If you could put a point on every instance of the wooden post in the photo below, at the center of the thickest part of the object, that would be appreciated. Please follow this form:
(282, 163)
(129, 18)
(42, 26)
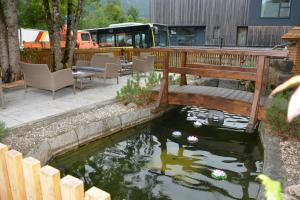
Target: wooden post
(96, 194)
(183, 59)
(5, 190)
(15, 174)
(265, 76)
(50, 182)
(31, 169)
(164, 86)
(256, 97)
(72, 188)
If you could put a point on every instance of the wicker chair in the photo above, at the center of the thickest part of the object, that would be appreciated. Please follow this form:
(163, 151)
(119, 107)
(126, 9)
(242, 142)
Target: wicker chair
(104, 66)
(143, 64)
(39, 76)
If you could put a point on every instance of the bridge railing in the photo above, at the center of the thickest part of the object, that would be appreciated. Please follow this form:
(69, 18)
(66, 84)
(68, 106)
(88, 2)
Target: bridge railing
(257, 73)
(25, 179)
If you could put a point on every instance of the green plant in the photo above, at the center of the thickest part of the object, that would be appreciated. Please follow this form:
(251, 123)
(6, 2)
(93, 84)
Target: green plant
(3, 130)
(138, 92)
(276, 116)
(272, 188)
(173, 79)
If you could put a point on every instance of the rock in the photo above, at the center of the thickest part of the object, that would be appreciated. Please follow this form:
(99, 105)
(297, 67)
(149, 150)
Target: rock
(132, 105)
(64, 141)
(204, 81)
(293, 191)
(89, 131)
(229, 83)
(282, 77)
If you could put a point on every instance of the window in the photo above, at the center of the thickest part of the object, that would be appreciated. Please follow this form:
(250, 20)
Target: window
(85, 37)
(216, 32)
(276, 8)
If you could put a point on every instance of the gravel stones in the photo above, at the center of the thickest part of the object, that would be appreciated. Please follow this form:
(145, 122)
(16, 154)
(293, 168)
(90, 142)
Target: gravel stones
(23, 139)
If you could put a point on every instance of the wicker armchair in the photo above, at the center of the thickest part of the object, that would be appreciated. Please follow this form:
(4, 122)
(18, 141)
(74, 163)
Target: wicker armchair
(104, 66)
(143, 64)
(39, 76)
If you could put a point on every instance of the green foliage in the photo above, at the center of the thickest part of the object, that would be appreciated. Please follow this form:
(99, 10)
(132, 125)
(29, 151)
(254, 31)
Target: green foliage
(133, 14)
(272, 188)
(3, 130)
(174, 80)
(276, 116)
(137, 91)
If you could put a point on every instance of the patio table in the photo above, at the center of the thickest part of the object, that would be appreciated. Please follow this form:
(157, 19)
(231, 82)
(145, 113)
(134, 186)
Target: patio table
(80, 76)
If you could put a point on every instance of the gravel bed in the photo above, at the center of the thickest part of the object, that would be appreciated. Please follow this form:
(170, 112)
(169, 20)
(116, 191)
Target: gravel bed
(23, 139)
(290, 155)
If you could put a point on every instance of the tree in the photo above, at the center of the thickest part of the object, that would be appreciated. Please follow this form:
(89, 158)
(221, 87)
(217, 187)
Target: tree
(9, 40)
(133, 13)
(71, 40)
(53, 20)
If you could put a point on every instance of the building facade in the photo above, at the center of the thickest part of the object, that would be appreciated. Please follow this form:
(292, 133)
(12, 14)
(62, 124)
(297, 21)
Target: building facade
(252, 23)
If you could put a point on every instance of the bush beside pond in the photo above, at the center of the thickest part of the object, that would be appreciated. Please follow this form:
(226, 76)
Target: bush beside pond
(3, 130)
(277, 116)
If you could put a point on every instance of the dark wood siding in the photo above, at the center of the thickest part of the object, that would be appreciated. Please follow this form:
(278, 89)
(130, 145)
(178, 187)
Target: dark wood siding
(227, 14)
(266, 36)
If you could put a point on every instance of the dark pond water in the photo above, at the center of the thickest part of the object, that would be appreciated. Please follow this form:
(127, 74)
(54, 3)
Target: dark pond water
(148, 163)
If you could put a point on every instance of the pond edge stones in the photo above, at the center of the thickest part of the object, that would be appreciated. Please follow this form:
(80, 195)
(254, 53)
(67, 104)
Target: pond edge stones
(84, 133)
(273, 166)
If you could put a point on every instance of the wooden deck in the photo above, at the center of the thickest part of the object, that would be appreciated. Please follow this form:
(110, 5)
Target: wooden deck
(233, 101)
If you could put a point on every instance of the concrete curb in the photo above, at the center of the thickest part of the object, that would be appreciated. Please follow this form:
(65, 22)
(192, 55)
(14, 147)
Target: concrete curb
(273, 166)
(88, 132)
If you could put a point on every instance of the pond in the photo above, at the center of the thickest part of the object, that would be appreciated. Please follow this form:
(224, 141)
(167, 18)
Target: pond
(148, 163)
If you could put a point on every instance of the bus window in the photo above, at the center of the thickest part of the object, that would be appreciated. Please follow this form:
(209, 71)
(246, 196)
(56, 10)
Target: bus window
(107, 40)
(161, 37)
(123, 40)
(141, 40)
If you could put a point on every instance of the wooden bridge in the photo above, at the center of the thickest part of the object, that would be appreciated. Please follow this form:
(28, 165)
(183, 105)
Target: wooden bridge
(235, 101)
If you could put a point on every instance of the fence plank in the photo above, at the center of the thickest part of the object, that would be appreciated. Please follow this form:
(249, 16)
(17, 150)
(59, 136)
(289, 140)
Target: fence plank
(50, 182)
(96, 194)
(72, 188)
(15, 174)
(5, 190)
(31, 169)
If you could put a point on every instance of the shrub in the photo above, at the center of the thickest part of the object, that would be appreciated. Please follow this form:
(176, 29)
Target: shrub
(276, 116)
(3, 130)
(137, 92)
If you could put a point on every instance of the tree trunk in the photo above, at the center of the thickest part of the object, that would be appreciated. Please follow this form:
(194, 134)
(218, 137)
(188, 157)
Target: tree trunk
(66, 55)
(49, 23)
(56, 35)
(75, 30)
(3, 45)
(13, 38)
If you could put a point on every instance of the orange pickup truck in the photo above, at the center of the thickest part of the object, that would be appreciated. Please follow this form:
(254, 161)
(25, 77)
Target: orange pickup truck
(83, 41)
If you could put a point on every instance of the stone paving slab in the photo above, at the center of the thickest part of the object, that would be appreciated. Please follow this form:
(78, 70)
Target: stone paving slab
(24, 108)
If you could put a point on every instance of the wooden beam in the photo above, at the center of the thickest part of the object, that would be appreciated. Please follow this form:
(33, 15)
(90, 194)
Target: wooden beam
(228, 51)
(163, 94)
(50, 182)
(183, 58)
(31, 169)
(214, 73)
(258, 90)
(5, 189)
(72, 188)
(96, 194)
(221, 67)
(15, 174)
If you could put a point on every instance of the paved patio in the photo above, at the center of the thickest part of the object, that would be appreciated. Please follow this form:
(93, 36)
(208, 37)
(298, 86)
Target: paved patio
(22, 108)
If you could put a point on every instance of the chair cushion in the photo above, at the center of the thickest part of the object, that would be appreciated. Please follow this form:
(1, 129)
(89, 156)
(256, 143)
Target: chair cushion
(90, 68)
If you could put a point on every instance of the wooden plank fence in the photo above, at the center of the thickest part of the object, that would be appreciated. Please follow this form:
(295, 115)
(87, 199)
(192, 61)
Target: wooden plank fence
(25, 179)
(236, 57)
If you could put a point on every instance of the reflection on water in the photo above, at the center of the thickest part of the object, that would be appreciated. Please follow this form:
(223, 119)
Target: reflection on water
(148, 163)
